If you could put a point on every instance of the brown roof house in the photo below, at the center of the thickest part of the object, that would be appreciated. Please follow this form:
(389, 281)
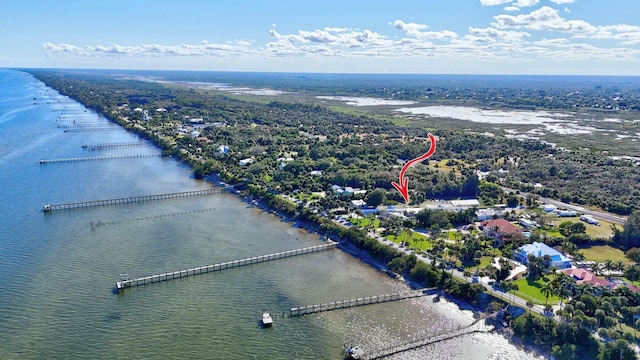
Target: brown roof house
(585, 276)
(500, 230)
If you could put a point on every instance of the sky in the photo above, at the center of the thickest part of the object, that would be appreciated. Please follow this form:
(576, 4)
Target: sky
(565, 37)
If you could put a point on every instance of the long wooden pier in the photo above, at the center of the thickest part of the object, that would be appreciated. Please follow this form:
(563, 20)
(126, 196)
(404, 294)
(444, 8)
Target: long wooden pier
(127, 282)
(133, 199)
(367, 300)
(92, 158)
(119, 145)
(475, 327)
(93, 128)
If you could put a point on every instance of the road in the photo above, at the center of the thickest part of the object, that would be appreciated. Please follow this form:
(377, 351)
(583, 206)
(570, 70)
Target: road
(561, 205)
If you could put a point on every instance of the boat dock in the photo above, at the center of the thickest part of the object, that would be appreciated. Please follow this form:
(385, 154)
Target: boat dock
(133, 199)
(367, 300)
(474, 327)
(93, 128)
(114, 157)
(126, 281)
(119, 145)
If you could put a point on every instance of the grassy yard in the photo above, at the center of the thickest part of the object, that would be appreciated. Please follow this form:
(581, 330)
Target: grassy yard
(595, 231)
(365, 221)
(414, 239)
(601, 231)
(602, 253)
(531, 289)
(442, 166)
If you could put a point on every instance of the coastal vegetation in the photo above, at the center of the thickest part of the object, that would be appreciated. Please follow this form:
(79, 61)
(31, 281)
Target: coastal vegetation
(311, 161)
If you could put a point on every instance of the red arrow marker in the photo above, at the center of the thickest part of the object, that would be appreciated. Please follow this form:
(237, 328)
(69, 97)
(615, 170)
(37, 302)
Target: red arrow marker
(404, 188)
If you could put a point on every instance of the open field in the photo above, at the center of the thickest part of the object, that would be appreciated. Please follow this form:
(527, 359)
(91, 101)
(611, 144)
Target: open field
(604, 252)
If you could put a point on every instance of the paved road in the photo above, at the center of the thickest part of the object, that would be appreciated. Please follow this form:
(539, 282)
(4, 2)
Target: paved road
(596, 214)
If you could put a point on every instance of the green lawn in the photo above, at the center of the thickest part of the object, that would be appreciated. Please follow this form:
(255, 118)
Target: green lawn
(602, 253)
(531, 289)
(365, 221)
(602, 231)
(414, 239)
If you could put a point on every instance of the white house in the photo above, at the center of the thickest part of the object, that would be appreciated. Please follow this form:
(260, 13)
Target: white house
(539, 249)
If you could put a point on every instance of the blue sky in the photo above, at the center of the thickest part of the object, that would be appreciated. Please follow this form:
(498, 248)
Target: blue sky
(597, 37)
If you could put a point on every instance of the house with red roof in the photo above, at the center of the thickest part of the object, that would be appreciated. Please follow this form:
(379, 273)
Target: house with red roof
(582, 276)
(500, 230)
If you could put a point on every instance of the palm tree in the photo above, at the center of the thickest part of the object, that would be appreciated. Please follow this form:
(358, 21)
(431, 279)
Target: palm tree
(547, 290)
(619, 266)
(608, 266)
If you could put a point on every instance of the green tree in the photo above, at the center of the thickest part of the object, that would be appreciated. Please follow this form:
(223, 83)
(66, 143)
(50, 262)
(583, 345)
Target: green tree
(633, 254)
(376, 197)
(547, 290)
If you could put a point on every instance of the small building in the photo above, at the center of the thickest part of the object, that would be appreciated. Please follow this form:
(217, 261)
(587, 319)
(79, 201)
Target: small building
(539, 250)
(465, 204)
(549, 208)
(358, 203)
(485, 214)
(223, 149)
(245, 162)
(566, 213)
(527, 223)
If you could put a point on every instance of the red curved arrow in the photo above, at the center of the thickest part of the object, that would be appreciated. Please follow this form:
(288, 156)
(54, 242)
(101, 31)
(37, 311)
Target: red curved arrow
(404, 188)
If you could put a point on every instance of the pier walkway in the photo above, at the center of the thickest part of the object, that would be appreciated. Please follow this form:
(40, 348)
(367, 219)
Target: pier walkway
(133, 199)
(367, 300)
(127, 282)
(119, 145)
(93, 128)
(92, 158)
(474, 327)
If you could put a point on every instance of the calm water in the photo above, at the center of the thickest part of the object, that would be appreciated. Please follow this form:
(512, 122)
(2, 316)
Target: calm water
(57, 273)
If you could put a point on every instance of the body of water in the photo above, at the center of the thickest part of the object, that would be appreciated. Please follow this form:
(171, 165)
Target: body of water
(58, 272)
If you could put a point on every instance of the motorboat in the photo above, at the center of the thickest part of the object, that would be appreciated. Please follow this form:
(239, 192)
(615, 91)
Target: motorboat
(266, 319)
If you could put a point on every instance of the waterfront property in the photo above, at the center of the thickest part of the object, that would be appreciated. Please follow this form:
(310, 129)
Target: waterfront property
(539, 249)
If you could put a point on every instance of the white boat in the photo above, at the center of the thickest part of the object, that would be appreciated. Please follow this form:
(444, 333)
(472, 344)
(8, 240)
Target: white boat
(266, 319)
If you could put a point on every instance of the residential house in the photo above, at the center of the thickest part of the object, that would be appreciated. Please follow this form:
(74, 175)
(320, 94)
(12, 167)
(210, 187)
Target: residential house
(582, 276)
(539, 249)
(500, 229)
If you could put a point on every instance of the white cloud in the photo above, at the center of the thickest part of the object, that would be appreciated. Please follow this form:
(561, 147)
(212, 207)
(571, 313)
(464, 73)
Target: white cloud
(511, 8)
(410, 28)
(494, 2)
(562, 1)
(413, 29)
(545, 18)
(204, 48)
(525, 3)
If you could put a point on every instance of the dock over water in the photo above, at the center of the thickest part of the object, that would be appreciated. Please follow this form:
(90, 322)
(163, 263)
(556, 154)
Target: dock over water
(367, 300)
(474, 327)
(118, 145)
(133, 199)
(92, 158)
(126, 281)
